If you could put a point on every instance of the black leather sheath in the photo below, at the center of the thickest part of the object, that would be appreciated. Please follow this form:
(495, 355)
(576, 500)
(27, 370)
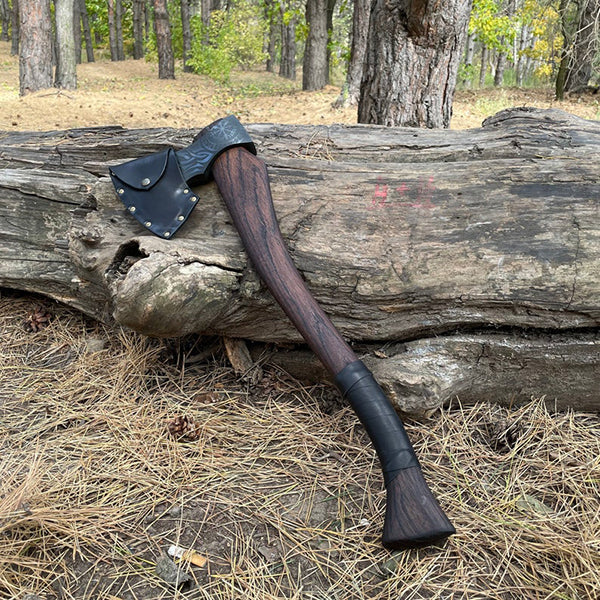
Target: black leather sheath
(156, 189)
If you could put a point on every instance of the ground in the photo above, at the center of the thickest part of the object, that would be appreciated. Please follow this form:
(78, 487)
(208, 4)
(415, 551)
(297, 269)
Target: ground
(129, 94)
(274, 482)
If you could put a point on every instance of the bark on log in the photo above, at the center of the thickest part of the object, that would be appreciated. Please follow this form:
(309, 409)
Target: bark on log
(470, 259)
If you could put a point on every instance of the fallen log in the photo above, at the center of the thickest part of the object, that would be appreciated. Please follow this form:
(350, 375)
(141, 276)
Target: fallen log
(463, 262)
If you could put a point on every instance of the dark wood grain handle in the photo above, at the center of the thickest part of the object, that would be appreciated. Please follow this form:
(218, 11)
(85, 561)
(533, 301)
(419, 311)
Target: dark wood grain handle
(243, 181)
(413, 516)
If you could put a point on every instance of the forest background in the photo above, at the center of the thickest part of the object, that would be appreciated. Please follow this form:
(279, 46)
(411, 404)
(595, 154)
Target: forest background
(250, 57)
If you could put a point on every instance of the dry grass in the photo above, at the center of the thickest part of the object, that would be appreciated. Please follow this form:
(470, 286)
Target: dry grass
(128, 93)
(280, 491)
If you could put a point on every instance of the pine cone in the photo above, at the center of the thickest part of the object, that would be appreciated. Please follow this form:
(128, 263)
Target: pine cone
(184, 428)
(38, 319)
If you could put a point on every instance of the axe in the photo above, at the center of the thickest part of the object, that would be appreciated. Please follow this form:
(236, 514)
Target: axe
(157, 191)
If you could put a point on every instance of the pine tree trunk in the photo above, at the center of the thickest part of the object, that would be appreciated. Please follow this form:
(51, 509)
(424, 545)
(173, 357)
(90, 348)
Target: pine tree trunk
(87, 33)
(35, 48)
(15, 22)
(77, 37)
(166, 60)
(66, 63)
(330, 12)
(206, 7)
(360, 31)
(561, 74)
(287, 66)
(112, 30)
(584, 47)
(186, 34)
(271, 16)
(413, 54)
(147, 22)
(119, 29)
(4, 20)
(315, 68)
(138, 29)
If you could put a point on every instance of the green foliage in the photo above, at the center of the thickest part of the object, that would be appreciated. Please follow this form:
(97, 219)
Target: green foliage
(234, 38)
(492, 28)
(466, 72)
(339, 42)
(533, 36)
(98, 16)
(174, 9)
(544, 22)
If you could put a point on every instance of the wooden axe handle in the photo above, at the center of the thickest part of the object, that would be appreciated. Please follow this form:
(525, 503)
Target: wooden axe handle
(413, 517)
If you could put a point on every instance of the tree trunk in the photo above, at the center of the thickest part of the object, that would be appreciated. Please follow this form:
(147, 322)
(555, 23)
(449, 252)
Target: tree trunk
(112, 30)
(148, 25)
(567, 35)
(187, 34)
(15, 22)
(138, 28)
(500, 68)
(483, 66)
(96, 28)
(287, 66)
(66, 63)
(585, 47)
(458, 262)
(206, 8)
(330, 12)
(162, 28)
(77, 37)
(119, 29)
(469, 55)
(4, 20)
(87, 32)
(35, 48)
(272, 18)
(360, 30)
(413, 53)
(508, 9)
(524, 43)
(315, 68)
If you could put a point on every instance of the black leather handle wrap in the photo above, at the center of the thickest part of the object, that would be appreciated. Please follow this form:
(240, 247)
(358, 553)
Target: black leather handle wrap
(378, 417)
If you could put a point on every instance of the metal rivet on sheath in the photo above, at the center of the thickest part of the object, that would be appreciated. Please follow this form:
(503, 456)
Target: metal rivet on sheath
(148, 223)
(167, 234)
(186, 191)
(180, 218)
(120, 191)
(132, 209)
(145, 181)
(193, 199)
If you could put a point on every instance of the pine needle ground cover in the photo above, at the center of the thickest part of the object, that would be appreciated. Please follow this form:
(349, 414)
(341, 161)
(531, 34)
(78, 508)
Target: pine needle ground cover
(115, 447)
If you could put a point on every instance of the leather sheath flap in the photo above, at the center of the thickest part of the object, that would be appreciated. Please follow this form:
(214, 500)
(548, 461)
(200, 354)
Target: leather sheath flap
(142, 173)
(154, 191)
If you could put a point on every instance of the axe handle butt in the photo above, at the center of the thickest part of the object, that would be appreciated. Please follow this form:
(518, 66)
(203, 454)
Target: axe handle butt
(413, 516)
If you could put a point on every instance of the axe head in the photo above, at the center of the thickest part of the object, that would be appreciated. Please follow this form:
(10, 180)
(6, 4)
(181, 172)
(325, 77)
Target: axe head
(156, 189)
